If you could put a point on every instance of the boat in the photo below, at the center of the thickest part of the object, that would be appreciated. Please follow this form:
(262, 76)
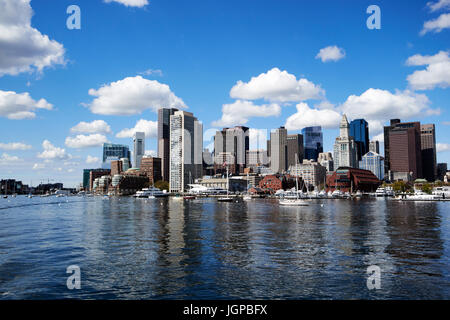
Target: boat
(150, 192)
(227, 198)
(442, 192)
(189, 197)
(294, 201)
(247, 197)
(336, 194)
(418, 195)
(358, 194)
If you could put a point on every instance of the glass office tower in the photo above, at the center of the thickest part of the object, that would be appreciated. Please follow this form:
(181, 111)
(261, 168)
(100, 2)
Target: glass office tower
(359, 130)
(312, 142)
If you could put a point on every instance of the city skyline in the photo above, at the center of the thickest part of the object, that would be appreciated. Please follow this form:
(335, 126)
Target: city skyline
(56, 118)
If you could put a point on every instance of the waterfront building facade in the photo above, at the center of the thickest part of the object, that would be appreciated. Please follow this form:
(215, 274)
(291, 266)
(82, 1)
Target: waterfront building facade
(151, 167)
(312, 173)
(402, 150)
(441, 171)
(164, 140)
(186, 146)
(348, 179)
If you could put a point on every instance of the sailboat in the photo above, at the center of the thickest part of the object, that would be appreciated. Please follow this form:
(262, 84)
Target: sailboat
(296, 201)
(247, 196)
(227, 198)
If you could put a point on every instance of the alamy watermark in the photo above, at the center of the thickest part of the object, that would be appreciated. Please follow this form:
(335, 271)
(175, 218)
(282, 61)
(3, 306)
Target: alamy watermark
(74, 280)
(374, 20)
(74, 20)
(374, 279)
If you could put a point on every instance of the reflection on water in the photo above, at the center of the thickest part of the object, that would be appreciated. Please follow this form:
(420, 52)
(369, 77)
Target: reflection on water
(202, 249)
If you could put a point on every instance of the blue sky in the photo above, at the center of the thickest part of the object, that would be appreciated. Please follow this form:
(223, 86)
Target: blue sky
(200, 50)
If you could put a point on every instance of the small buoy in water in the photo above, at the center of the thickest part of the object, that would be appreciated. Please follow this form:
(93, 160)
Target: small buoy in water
(321, 205)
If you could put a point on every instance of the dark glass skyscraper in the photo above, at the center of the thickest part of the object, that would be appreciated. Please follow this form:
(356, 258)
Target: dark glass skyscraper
(312, 142)
(359, 130)
(113, 151)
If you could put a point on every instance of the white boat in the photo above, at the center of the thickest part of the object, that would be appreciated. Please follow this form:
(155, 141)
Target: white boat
(227, 198)
(151, 192)
(336, 194)
(418, 195)
(442, 192)
(358, 194)
(247, 197)
(296, 201)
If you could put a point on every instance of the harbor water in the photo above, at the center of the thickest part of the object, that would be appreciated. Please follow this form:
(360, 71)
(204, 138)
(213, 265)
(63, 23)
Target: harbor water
(167, 248)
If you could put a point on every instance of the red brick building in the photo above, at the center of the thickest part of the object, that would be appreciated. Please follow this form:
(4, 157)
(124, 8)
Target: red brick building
(350, 179)
(271, 183)
(151, 167)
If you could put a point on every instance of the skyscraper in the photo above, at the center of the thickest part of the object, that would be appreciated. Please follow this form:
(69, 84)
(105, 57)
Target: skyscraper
(428, 145)
(164, 140)
(186, 147)
(402, 149)
(345, 147)
(359, 130)
(374, 146)
(114, 152)
(312, 142)
(294, 147)
(234, 142)
(138, 148)
(278, 150)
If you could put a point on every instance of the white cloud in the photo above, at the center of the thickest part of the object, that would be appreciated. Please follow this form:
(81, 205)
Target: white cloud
(239, 112)
(86, 141)
(149, 72)
(150, 128)
(277, 86)
(437, 73)
(130, 3)
(22, 47)
(331, 53)
(91, 159)
(442, 147)
(38, 166)
(133, 95)
(306, 117)
(96, 126)
(14, 146)
(440, 4)
(378, 106)
(6, 159)
(51, 152)
(379, 138)
(436, 25)
(18, 106)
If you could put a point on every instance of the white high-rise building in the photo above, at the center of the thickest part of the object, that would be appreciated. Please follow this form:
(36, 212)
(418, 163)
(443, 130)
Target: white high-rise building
(138, 148)
(186, 150)
(345, 147)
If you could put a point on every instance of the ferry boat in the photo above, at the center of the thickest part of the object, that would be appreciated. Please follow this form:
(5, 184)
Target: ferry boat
(418, 195)
(442, 192)
(151, 193)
